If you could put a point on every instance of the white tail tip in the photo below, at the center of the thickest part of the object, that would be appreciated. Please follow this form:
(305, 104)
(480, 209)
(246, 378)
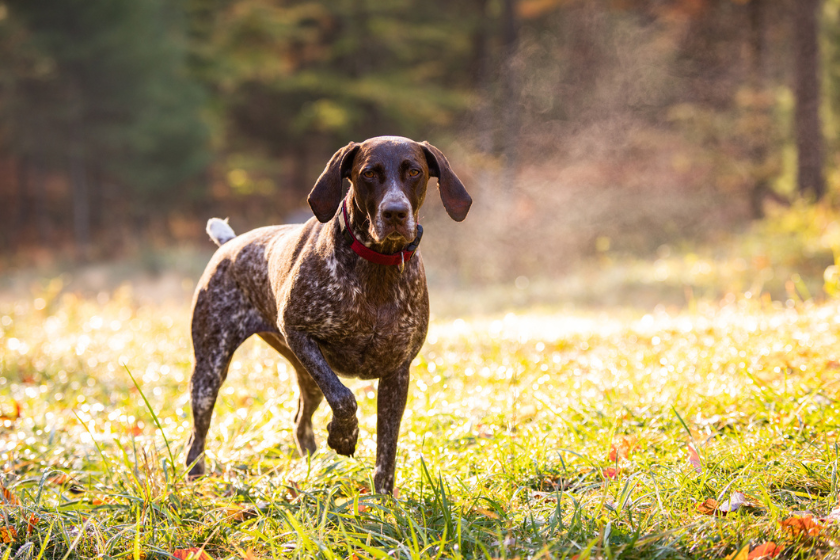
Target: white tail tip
(219, 231)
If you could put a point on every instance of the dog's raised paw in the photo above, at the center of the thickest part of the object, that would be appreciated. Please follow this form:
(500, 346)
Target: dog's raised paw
(343, 436)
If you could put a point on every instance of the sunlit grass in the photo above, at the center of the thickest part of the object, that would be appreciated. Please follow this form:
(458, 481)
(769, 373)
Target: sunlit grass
(504, 448)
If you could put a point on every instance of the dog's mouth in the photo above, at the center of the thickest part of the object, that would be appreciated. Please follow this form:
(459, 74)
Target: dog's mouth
(395, 235)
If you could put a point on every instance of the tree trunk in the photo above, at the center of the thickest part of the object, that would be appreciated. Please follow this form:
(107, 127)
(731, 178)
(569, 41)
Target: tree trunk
(510, 93)
(809, 140)
(42, 218)
(22, 209)
(483, 80)
(759, 117)
(302, 181)
(81, 205)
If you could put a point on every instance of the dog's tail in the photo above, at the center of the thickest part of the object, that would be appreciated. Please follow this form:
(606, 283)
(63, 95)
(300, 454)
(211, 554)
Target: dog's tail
(219, 231)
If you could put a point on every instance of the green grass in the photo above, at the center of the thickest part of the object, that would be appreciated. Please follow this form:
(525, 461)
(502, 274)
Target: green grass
(503, 448)
(505, 445)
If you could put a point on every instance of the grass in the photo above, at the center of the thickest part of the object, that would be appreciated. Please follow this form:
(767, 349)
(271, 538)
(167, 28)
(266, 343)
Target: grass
(504, 449)
(540, 434)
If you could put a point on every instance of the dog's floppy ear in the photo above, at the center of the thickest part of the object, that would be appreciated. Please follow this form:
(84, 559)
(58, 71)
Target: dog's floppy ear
(455, 198)
(326, 194)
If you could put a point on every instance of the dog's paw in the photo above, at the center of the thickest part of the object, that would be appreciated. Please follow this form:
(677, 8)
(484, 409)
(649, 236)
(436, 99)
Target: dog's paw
(343, 435)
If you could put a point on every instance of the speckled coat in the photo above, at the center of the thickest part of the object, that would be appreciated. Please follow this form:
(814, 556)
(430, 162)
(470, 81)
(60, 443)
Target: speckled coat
(323, 307)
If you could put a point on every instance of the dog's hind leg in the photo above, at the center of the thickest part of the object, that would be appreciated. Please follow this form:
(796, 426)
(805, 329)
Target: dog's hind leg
(308, 401)
(222, 321)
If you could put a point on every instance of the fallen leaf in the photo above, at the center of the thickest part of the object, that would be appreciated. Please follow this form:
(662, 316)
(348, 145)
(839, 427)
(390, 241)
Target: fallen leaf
(763, 551)
(234, 513)
(30, 525)
(15, 414)
(611, 472)
(134, 430)
(694, 459)
(9, 496)
(485, 512)
(294, 489)
(191, 554)
(60, 478)
(484, 431)
(621, 447)
(8, 534)
(742, 554)
(63, 479)
(396, 491)
(736, 501)
(708, 507)
(799, 526)
(249, 555)
(101, 501)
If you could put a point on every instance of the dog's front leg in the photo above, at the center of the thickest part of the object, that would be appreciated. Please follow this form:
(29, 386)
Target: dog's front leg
(344, 427)
(390, 405)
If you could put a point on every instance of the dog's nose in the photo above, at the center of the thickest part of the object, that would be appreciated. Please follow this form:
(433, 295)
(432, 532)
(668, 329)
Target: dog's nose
(395, 213)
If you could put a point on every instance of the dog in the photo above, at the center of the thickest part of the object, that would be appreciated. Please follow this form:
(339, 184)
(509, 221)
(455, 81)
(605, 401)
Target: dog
(343, 294)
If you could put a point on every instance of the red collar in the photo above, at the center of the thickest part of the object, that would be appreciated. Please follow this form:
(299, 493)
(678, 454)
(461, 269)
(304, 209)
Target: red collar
(396, 259)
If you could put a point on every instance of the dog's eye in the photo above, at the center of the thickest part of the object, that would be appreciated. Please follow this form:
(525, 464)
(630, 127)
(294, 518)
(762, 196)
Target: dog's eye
(369, 174)
(414, 173)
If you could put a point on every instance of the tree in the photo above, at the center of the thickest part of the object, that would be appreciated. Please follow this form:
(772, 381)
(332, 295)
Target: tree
(298, 78)
(809, 140)
(107, 96)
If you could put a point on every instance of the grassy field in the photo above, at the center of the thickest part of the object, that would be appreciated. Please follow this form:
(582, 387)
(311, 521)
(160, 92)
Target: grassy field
(532, 435)
(702, 423)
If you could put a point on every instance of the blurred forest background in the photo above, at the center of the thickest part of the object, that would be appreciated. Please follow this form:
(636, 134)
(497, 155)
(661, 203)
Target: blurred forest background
(580, 128)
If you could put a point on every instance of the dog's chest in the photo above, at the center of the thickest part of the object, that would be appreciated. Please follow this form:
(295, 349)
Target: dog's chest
(363, 331)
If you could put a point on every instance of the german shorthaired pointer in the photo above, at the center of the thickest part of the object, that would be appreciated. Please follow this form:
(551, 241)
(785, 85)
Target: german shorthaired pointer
(341, 295)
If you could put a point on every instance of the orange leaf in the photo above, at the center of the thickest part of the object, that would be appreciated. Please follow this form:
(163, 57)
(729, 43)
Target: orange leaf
(763, 551)
(134, 430)
(30, 525)
(739, 554)
(101, 501)
(191, 554)
(485, 512)
(801, 526)
(8, 534)
(694, 459)
(15, 415)
(709, 507)
(9, 497)
(611, 472)
(249, 555)
(61, 478)
(621, 447)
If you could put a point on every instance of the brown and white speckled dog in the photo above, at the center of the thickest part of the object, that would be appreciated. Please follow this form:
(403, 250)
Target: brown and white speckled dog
(317, 297)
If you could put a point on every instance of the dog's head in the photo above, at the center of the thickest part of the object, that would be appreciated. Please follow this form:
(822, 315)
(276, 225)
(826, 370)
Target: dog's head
(388, 176)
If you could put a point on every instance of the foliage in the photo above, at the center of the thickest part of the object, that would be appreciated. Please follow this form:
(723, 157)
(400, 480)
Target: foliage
(104, 81)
